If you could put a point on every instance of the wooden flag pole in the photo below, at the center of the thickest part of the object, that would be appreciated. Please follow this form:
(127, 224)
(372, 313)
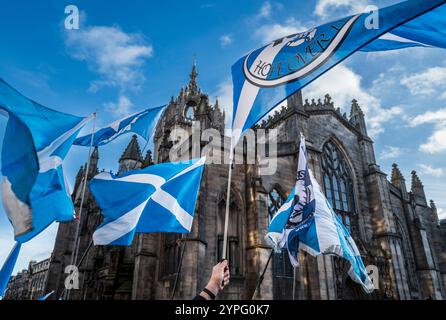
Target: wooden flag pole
(75, 252)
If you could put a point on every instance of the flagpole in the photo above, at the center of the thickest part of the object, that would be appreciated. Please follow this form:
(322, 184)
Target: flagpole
(183, 249)
(294, 283)
(228, 195)
(262, 275)
(75, 252)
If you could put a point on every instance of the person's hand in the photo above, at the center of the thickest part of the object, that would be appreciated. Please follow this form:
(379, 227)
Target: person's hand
(219, 278)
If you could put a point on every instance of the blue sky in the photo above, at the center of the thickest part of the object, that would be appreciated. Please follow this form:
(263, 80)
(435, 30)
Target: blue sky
(127, 56)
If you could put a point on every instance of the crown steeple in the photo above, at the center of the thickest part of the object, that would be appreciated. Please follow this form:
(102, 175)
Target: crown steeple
(193, 87)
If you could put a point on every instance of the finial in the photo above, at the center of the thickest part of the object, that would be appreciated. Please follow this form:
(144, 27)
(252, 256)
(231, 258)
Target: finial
(416, 182)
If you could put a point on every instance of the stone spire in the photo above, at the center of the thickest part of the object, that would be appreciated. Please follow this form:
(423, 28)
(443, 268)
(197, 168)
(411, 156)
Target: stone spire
(148, 161)
(94, 159)
(357, 117)
(416, 182)
(432, 205)
(193, 87)
(132, 152)
(417, 189)
(131, 159)
(397, 176)
(398, 180)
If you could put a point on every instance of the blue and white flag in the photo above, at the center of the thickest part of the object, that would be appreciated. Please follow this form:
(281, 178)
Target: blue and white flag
(142, 123)
(268, 75)
(49, 294)
(8, 267)
(36, 141)
(306, 221)
(159, 198)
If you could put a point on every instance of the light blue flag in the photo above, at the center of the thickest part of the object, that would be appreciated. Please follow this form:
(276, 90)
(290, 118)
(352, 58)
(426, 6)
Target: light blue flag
(142, 123)
(306, 221)
(266, 76)
(8, 267)
(159, 198)
(49, 294)
(36, 141)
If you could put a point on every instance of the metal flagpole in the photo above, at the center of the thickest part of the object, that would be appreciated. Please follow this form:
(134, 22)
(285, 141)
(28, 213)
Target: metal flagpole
(228, 195)
(75, 252)
(294, 283)
(179, 266)
(260, 280)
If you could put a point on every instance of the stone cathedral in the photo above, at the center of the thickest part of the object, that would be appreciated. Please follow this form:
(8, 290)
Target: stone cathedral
(396, 229)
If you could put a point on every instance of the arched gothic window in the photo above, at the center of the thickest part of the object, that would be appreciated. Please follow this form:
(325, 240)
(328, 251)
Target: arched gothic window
(234, 248)
(275, 201)
(282, 268)
(338, 182)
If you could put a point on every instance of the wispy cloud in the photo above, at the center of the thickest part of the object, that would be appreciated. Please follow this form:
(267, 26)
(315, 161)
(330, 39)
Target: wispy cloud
(441, 213)
(343, 92)
(390, 152)
(430, 82)
(429, 170)
(225, 40)
(116, 56)
(326, 8)
(265, 10)
(272, 31)
(436, 143)
(121, 107)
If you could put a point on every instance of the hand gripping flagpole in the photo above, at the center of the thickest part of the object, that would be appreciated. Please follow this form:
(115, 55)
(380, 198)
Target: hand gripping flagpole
(75, 252)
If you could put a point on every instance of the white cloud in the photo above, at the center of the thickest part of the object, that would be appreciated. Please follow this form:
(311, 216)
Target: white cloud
(224, 95)
(438, 116)
(325, 8)
(273, 31)
(117, 57)
(436, 143)
(429, 170)
(121, 107)
(225, 40)
(429, 82)
(441, 213)
(390, 152)
(344, 85)
(265, 10)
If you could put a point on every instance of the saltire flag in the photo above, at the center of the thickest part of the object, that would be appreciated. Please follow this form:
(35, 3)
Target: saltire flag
(49, 294)
(36, 141)
(159, 198)
(8, 267)
(266, 76)
(306, 221)
(142, 123)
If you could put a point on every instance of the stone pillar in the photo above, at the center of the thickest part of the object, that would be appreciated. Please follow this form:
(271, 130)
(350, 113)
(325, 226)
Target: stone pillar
(145, 266)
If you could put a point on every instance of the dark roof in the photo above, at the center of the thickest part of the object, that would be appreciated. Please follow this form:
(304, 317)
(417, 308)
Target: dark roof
(132, 152)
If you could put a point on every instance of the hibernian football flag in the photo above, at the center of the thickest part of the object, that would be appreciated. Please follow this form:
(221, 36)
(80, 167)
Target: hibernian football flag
(34, 191)
(268, 75)
(159, 198)
(306, 221)
(142, 123)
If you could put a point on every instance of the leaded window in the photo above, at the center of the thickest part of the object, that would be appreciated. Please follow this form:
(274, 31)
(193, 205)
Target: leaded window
(338, 183)
(281, 264)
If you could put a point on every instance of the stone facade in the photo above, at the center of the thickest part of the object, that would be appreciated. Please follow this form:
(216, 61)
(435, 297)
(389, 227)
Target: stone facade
(29, 284)
(395, 229)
